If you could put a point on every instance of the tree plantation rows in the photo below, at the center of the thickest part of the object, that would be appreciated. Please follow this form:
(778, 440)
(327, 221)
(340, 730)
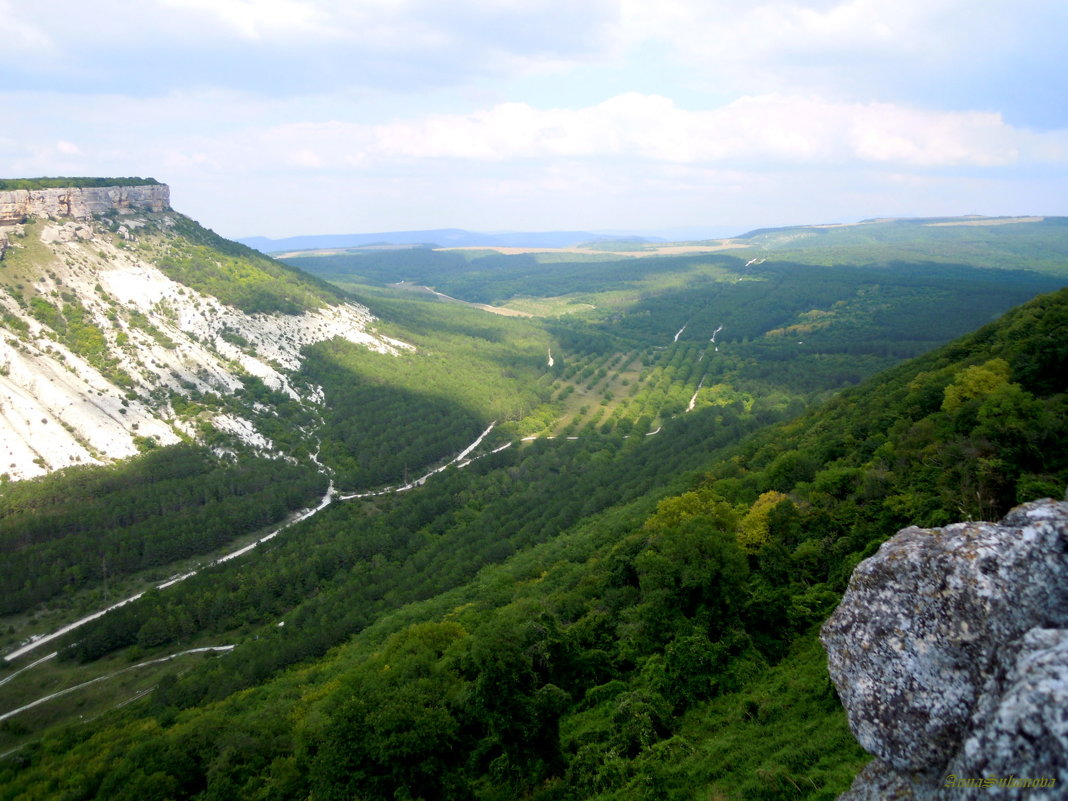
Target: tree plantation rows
(645, 300)
(408, 547)
(645, 620)
(615, 598)
(787, 336)
(82, 526)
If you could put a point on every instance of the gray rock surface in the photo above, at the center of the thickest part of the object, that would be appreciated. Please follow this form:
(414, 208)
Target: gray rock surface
(877, 781)
(948, 656)
(1020, 723)
(17, 204)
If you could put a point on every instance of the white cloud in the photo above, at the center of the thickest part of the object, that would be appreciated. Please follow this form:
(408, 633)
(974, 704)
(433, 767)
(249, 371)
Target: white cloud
(22, 37)
(752, 130)
(479, 106)
(294, 46)
(929, 53)
(913, 51)
(252, 19)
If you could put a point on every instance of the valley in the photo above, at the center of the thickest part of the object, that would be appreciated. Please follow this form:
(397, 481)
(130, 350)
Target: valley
(428, 550)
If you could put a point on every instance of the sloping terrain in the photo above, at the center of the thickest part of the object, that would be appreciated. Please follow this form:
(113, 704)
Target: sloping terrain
(545, 557)
(653, 637)
(1034, 243)
(115, 338)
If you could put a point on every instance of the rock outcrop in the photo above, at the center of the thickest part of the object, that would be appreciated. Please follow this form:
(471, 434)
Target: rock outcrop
(950, 653)
(81, 202)
(148, 350)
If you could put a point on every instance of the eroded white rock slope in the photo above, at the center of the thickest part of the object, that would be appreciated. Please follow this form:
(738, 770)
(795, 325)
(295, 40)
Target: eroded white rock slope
(58, 410)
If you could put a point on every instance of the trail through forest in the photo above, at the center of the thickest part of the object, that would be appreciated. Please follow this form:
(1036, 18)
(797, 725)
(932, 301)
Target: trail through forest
(460, 460)
(39, 640)
(327, 499)
(39, 701)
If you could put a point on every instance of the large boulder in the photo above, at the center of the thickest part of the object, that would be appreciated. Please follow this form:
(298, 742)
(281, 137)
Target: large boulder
(950, 653)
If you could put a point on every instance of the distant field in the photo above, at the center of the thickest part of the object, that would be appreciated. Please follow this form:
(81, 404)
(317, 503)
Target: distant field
(650, 249)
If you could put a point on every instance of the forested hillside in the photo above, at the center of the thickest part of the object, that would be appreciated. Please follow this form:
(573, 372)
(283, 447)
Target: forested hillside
(622, 607)
(78, 527)
(633, 342)
(1034, 243)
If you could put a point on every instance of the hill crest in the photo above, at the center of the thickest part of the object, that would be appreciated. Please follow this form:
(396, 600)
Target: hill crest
(122, 333)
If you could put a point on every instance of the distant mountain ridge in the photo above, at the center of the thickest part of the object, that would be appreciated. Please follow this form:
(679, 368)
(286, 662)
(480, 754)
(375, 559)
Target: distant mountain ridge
(976, 220)
(440, 237)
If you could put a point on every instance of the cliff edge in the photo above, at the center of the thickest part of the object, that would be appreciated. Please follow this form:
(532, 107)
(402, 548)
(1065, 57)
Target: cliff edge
(950, 653)
(81, 202)
(119, 318)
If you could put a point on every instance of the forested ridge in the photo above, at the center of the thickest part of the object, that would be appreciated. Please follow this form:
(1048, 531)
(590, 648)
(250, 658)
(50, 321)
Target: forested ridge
(1034, 243)
(7, 184)
(615, 616)
(82, 525)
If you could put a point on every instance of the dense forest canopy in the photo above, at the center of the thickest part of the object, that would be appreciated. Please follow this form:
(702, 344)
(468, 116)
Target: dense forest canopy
(614, 596)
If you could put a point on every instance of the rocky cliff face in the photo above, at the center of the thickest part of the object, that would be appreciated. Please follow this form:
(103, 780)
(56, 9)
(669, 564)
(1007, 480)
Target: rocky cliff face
(18, 204)
(950, 653)
(102, 354)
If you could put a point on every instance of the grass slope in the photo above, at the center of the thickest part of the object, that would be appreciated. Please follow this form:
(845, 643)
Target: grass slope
(235, 274)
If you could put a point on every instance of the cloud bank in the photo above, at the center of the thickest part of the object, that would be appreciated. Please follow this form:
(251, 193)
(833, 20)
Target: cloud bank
(546, 113)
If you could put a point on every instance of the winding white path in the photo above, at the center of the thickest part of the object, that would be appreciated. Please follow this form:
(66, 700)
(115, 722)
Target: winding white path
(460, 460)
(693, 400)
(167, 658)
(8, 678)
(422, 480)
(41, 639)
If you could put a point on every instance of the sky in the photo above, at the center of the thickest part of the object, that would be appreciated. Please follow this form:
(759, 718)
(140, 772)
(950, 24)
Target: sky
(292, 117)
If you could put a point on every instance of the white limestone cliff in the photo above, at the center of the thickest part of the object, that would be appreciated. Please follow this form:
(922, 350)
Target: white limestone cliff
(169, 340)
(82, 202)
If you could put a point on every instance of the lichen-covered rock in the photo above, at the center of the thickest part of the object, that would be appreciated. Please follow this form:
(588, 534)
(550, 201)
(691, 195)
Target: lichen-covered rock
(1019, 729)
(931, 652)
(879, 782)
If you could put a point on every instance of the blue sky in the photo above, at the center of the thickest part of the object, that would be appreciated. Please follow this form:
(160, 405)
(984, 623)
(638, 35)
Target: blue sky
(286, 117)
